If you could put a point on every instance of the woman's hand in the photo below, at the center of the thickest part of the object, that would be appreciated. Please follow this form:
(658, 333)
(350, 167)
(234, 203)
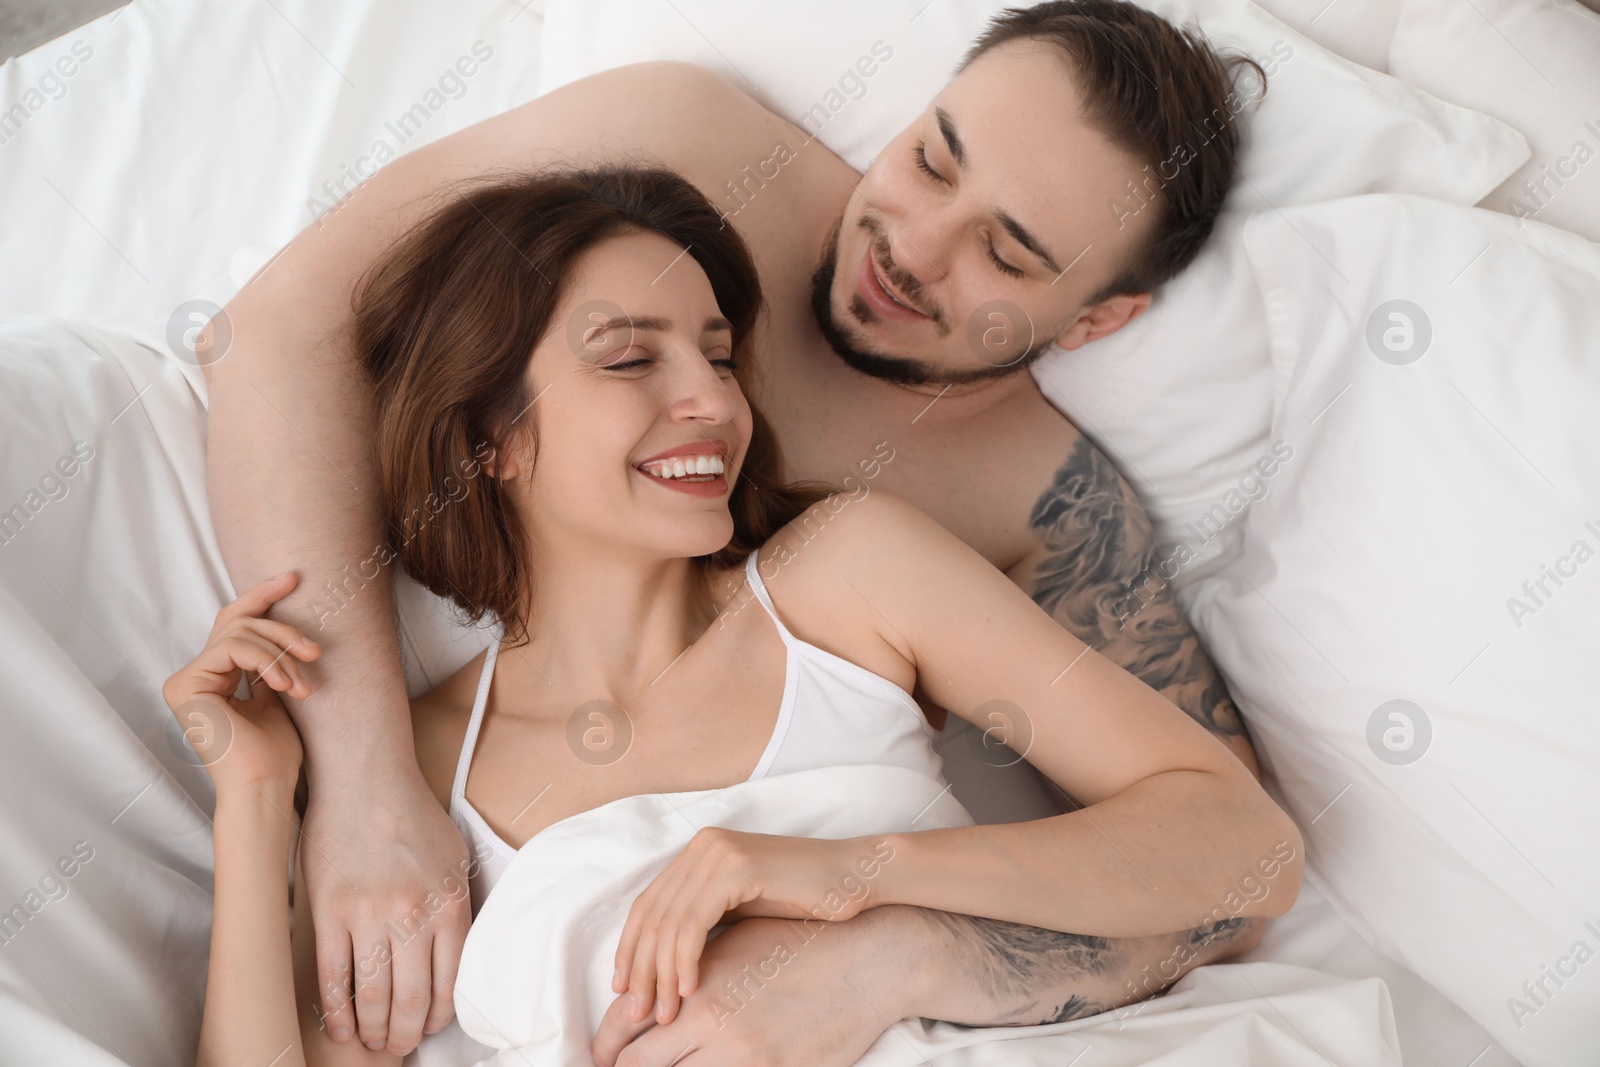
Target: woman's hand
(250, 741)
(723, 873)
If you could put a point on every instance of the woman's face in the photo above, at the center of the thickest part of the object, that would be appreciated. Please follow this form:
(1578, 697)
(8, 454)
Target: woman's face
(641, 428)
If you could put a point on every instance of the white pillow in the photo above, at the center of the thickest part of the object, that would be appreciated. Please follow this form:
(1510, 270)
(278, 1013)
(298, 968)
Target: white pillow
(1358, 30)
(1180, 397)
(1457, 831)
(1537, 66)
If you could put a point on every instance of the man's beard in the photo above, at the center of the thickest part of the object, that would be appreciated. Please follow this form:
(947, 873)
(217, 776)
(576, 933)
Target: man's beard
(897, 369)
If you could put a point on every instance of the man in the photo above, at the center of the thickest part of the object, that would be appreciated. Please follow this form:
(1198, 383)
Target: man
(904, 305)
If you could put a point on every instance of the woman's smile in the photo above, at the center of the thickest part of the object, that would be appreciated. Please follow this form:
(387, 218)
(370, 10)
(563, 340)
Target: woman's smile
(698, 469)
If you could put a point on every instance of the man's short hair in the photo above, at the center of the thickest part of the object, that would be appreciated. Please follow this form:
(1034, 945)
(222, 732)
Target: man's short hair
(1163, 95)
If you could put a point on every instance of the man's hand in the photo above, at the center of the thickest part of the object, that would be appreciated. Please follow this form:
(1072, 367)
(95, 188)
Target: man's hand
(387, 878)
(777, 991)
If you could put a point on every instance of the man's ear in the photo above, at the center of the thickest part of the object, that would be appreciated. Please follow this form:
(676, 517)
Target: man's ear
(1106, 317)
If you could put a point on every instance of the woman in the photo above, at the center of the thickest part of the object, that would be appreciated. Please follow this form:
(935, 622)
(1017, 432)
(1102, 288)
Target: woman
(566, 448)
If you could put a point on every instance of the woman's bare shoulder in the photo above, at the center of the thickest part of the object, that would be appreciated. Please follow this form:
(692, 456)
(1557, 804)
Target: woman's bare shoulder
(844, 532)
(821, 571)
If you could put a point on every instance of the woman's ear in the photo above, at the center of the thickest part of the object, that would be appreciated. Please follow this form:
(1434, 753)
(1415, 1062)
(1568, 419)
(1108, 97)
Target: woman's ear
(509, 461)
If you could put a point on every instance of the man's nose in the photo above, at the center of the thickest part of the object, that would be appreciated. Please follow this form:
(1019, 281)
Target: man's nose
(920, 246)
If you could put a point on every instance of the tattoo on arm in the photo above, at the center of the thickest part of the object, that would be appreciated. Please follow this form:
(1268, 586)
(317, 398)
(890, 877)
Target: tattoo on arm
(1015, 975)
(1024, 967)
(1102, 578)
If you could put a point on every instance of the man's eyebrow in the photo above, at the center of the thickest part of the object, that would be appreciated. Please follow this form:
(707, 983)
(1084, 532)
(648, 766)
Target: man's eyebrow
(1022, 235)
(1026, 239)
(952, 141)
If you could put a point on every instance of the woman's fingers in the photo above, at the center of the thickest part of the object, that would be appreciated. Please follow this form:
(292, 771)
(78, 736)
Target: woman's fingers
(642, 980)
(628, 945)
(645, 914)
(255, 601)
(284, 636)
(237, 638)
(286, 649)
(682, 939)
(665, 932)
(255, 653)
(667, 973)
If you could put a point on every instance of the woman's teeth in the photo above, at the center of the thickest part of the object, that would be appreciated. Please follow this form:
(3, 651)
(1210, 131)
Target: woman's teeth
(698, 468)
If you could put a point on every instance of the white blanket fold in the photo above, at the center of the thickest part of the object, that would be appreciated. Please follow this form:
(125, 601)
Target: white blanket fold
(536, 972)
(535, 976)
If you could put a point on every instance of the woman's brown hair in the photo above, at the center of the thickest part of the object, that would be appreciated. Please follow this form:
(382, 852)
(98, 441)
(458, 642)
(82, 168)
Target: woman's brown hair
(445, 324)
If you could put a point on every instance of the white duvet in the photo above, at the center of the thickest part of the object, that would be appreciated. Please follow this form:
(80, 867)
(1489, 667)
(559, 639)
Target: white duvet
(536, 973)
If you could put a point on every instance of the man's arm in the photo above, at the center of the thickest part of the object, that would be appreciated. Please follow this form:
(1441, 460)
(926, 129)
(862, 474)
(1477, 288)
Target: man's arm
(819, 994)
(1098, 571)
(291, 480)
(292, 486)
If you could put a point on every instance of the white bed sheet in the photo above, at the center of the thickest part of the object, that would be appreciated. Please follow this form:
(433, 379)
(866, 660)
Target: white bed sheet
(189, 132)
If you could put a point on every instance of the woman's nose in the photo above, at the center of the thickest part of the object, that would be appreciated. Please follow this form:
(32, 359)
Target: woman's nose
(697, 390)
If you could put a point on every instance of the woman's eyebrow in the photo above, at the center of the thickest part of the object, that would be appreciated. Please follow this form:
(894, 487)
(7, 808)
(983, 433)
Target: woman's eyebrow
(618, 322)
(651, 322)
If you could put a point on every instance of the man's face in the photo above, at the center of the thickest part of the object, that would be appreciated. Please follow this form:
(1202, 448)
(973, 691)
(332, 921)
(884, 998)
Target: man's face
(997, 251)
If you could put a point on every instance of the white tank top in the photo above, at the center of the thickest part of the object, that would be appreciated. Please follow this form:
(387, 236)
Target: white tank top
(833, 713)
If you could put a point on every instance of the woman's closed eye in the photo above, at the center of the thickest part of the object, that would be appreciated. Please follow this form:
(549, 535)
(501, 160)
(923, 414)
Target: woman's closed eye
(616, 363)
(722, 356)
(619, 360)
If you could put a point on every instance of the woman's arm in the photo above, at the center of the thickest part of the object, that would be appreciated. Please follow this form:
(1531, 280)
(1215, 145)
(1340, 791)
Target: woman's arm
(249, 1012)
(250, 749)
(1175, 834)
(252, 752)
(1172, 822)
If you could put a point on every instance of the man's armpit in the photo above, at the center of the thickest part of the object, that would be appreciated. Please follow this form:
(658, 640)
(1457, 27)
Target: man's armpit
(1097, 573)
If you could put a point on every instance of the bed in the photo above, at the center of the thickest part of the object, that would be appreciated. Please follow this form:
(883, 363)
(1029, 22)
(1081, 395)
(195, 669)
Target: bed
(1396, 563)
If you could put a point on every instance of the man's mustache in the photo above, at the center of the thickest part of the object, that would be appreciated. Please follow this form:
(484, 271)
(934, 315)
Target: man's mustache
(906, 283)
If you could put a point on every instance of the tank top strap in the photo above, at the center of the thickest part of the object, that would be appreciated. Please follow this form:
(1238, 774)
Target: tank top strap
(458, 788)
(753, 576)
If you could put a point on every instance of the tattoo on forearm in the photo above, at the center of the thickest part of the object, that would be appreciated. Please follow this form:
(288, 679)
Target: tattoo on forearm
(1027, 976)
(1024, 965)
(1217, 932)
(1100, 547)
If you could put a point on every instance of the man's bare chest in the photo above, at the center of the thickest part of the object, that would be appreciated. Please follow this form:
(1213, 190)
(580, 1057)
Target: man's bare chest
(976, 470)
